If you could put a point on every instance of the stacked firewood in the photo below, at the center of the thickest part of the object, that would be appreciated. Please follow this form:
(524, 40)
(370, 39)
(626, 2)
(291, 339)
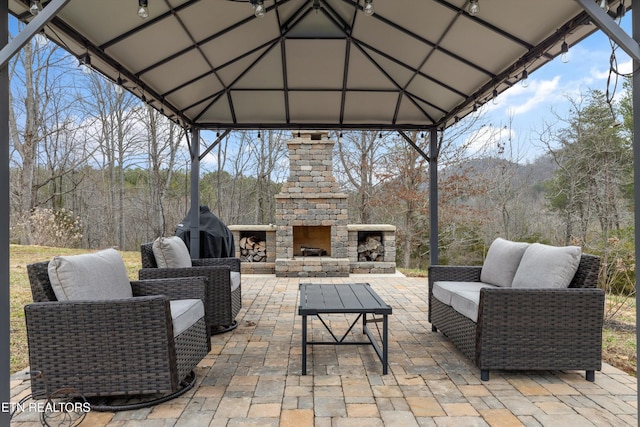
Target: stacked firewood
(371, 249)
(253, 250)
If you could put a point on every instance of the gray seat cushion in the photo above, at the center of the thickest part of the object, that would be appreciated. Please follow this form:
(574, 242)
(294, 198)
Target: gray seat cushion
(235, 280)
(502, 261)
(96, 276)
(466, 303)
(184, 313)
(444, 291)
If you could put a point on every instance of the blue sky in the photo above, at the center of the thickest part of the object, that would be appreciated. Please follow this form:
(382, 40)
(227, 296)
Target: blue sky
(530, 108)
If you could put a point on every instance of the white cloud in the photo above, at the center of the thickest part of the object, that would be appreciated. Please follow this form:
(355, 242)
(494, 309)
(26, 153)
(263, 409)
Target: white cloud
(538, 93)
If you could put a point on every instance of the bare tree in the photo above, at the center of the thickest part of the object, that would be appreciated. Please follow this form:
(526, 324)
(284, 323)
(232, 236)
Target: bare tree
(117, 136)
(41, 127)
(164, 138)
(268, 153)
(361, 155)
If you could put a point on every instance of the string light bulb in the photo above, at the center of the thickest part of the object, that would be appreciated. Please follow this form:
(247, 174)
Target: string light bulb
(118, 87)
(564, 53)
(85, 64)
(368, 7)
(474, 7)
(41, 39)
(36, 7)
(604, 5)
(494, 97)
(258, 8)
(143, 9)
(524, 80)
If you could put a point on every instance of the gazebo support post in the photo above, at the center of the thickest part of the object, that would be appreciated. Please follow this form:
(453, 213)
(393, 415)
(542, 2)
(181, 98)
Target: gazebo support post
(635, 18)
(5, 353)
(195, 194)
(432, 159)
(433, 196)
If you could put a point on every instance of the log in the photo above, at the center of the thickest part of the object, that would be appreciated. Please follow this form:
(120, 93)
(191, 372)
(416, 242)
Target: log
(252, 249)
(371, 249)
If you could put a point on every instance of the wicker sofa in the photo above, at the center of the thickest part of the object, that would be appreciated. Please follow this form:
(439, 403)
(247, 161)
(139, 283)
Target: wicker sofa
(521, 328)
(224, 297)
(145, 346)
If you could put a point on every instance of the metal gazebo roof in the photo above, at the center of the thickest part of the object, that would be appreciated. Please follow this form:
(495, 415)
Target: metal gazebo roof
(316, 63)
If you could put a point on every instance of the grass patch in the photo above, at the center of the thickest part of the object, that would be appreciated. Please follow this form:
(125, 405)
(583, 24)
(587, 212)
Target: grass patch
(413, 272)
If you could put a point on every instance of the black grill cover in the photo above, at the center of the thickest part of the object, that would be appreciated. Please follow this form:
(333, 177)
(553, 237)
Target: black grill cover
(216, 240)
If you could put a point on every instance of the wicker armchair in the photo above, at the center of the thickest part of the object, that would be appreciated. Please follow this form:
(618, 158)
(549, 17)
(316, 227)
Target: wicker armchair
(117, 348)
(223, 301)
(526, 329)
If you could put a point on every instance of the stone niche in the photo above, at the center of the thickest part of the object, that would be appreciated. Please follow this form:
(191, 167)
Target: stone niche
(266, 266)
(386, 263)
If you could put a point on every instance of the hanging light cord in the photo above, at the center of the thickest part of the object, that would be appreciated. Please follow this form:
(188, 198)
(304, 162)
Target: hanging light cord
(614, 73)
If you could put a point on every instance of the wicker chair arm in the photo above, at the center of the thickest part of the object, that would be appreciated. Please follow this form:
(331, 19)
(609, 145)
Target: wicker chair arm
(581, 303)
(232, 263)
(537, 322)
(119, 338)
(219, 279)
(453, 273)
(173, 288)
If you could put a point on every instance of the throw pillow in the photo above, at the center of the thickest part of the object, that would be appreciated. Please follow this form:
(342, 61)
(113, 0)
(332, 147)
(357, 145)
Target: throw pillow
(97, 276)
(171, 252)
(503, 259)
(544, 266)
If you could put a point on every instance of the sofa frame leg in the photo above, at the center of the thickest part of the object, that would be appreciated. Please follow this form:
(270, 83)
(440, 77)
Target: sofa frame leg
(591, 376)
(484, 374)
(434, 329)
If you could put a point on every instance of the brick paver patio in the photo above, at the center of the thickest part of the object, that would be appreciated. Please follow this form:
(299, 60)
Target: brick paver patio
(252, 376)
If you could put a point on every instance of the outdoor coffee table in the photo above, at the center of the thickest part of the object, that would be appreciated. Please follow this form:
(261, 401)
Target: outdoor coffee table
(354, 298)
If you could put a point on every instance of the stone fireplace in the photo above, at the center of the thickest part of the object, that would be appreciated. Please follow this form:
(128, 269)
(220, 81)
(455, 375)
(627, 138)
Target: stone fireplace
(312, 237)
(311, 212)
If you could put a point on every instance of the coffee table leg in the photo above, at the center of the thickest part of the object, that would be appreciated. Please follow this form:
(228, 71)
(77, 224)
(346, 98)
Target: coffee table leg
(385, 350)
(304, 344)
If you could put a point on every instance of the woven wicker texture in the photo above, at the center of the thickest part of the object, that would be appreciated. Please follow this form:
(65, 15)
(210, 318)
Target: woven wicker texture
(221, 304)
(110, 348)
(527, 329)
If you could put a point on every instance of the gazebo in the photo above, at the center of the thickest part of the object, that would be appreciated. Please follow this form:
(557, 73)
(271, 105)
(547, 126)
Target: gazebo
(392, 65)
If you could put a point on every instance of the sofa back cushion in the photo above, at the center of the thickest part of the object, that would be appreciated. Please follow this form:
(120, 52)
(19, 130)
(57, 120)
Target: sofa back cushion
(502, 261)
(545, 266)
(97, 276)
(171, 252)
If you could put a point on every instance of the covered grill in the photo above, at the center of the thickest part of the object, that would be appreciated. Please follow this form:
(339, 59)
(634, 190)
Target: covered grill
(216, 240)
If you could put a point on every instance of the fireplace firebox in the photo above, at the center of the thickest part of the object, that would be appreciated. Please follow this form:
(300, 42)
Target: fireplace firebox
(310, 240)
